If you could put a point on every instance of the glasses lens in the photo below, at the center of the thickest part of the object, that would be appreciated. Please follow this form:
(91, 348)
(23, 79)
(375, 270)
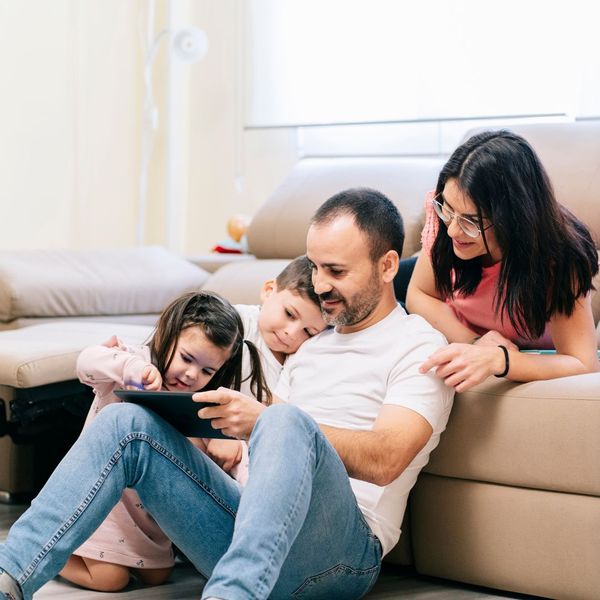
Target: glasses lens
(439, 211)
(470, 228)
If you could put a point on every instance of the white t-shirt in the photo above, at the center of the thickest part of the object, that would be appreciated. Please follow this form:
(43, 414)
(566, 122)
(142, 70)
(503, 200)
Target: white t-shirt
(271, 366)
(271, 370)
(342, 380)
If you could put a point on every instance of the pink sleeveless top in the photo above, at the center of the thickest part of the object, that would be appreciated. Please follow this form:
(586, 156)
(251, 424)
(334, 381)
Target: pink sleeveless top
(477, 310)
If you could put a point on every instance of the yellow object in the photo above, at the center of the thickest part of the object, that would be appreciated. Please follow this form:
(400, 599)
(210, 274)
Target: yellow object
(237, 226)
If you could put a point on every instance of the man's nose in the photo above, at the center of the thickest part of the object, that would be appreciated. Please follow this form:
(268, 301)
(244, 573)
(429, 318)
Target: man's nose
(321, 284)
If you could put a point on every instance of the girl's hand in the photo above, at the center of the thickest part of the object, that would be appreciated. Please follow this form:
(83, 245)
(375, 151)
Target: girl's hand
(226, 453)
(151, 379)
(495, 338)
(200, 443)
(463, 366)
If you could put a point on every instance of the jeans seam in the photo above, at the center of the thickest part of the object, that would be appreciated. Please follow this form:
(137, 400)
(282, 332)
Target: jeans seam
(106, 470)
(286, 525)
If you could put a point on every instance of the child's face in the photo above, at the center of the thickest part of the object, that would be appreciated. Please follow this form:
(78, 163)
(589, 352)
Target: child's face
(195, 361)
(287, 319)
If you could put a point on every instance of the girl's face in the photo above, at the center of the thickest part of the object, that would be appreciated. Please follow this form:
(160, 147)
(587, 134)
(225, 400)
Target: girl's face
(464, 246)
(195, 361)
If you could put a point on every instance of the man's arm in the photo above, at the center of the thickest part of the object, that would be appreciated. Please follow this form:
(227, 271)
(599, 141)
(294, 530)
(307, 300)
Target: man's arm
(379, 456)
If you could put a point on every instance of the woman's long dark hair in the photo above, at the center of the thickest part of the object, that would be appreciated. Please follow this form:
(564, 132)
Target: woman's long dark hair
(222, 325)
(548, 255)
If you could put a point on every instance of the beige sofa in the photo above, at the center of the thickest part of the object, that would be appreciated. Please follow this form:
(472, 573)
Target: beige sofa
(511, 498)
(53, 303)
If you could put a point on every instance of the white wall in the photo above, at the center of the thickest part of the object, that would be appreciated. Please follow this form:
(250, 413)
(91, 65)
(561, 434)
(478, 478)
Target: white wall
(69, 123)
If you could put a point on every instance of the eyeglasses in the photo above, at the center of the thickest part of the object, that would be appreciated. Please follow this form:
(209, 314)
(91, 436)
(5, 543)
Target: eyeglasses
(446, 214)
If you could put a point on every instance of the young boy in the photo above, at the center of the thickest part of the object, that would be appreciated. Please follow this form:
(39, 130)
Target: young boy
(289, 315)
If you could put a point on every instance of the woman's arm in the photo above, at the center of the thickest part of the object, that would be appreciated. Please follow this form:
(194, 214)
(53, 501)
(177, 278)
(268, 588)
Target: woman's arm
(574, 338)
(423, 299)
(462, 366)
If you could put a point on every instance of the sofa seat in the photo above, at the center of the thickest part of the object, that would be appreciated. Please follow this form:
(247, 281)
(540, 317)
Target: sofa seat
(42, 404)
(54, 303)
(516, 473)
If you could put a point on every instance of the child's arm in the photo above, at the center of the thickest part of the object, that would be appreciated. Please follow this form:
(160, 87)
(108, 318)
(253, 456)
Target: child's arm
(226, 453)
(112, 364)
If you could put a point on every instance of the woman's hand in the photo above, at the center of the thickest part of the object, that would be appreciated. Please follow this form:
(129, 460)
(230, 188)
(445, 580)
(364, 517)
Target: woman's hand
(463, 366)
(495, 338)
(226, 453)
(151, 379)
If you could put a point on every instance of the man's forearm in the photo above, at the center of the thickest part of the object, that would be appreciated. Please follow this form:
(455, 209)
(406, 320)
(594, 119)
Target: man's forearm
(366, 454)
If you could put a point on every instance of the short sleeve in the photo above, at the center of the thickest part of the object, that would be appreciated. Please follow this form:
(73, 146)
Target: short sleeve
(426, 394)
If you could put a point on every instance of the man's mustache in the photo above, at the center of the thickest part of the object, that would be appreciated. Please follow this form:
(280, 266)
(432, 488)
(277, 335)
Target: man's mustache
(330, 297)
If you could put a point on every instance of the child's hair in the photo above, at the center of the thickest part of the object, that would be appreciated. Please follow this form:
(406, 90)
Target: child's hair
(222, 325)
(297, 278)
(548, 255)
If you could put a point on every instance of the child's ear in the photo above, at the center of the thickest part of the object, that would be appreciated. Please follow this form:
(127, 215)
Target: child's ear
(268, 288)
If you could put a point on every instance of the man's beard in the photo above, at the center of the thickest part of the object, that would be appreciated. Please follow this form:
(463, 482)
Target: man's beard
(358, 308)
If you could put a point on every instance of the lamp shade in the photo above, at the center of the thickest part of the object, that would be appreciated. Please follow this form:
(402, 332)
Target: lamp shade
(189, 44)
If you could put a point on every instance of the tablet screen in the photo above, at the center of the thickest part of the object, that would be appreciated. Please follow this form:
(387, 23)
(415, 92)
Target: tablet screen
(177, 408)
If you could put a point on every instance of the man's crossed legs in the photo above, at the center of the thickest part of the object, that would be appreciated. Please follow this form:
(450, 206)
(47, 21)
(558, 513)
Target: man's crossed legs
(295, 531)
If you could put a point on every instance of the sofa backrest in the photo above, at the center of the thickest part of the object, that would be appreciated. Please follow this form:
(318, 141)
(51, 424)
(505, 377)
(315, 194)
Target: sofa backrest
(570, 153)
(278, 230)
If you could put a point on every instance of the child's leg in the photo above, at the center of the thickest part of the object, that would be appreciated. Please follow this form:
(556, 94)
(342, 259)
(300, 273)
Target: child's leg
(95, 574)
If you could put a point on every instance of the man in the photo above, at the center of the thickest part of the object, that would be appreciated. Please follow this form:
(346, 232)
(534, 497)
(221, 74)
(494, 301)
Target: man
(355, 407)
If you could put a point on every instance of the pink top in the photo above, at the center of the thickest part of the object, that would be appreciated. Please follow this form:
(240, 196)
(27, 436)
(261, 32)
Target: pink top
(476, 311)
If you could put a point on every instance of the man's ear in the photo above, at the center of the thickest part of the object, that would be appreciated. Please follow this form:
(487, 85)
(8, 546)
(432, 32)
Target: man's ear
(390, 262)
(268, 288)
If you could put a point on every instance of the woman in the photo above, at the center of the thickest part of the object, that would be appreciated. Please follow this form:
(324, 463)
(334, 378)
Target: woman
(504, 267)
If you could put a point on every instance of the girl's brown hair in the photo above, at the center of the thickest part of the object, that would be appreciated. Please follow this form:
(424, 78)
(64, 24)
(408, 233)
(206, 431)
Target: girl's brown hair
(222, 325)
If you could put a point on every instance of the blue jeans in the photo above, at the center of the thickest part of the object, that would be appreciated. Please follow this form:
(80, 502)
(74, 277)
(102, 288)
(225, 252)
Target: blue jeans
(295, 530)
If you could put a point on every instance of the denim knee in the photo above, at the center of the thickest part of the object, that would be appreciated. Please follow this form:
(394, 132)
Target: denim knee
(123, 418)
(285, 417)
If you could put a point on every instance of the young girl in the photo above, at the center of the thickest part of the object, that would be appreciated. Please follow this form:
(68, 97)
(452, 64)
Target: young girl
(197, 345)
(509, 268)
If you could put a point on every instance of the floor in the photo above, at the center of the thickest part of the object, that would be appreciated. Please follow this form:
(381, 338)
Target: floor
(394, 582)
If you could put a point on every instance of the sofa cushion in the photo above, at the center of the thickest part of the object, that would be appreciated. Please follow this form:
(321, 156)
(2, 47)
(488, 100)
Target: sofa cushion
(241, 282)
(43, 354)
(542, 435)
(63, 283)
(278, 230)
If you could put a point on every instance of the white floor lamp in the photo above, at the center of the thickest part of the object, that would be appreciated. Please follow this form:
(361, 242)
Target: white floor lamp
(187, 45)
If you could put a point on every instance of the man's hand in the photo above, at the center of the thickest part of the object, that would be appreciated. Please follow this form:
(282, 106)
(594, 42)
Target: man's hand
(235, 414)
(226, 453)
(151, 379)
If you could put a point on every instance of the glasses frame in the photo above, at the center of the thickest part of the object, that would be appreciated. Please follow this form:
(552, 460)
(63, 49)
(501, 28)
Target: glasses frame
(446, 219)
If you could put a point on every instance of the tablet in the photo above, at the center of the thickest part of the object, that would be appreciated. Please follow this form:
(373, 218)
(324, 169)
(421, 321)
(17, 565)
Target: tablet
(177, 408)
